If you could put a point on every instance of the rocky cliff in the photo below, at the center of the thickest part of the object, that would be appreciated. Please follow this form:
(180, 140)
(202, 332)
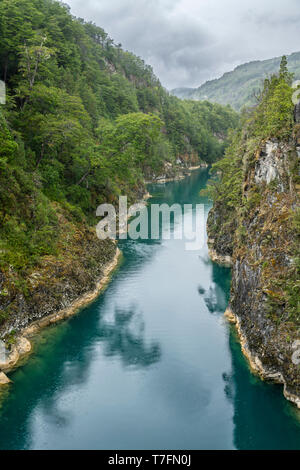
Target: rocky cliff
(56, 281)
(261, 241)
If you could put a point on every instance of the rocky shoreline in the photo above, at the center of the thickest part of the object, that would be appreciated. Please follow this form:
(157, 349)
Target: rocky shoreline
(256, 364)
(224, 260)
(22, 346)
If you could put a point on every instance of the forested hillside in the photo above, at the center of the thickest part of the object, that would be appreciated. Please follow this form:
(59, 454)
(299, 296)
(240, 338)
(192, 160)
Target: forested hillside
(84, 121)
(240, 87)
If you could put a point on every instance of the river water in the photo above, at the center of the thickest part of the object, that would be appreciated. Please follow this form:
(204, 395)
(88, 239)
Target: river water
(152, 364)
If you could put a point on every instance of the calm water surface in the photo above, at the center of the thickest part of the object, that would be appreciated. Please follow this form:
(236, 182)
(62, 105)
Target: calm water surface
(152, 364)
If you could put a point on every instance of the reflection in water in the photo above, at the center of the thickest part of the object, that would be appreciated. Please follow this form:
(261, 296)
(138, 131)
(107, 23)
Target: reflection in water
(229, 386)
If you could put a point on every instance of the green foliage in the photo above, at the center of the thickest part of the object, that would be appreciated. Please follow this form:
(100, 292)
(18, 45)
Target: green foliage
(10, 339)
(128, 146)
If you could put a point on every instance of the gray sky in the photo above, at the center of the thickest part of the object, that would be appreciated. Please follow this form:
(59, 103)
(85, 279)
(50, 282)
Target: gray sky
(190, 41)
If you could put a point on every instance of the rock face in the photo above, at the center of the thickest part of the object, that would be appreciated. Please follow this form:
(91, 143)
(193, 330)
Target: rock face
(297, 113)
(272, 164)
(56, 283)
(225, 260)
(269, 336)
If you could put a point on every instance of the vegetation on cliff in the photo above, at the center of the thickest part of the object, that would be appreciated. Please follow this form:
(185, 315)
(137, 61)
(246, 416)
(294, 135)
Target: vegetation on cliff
(255, 219)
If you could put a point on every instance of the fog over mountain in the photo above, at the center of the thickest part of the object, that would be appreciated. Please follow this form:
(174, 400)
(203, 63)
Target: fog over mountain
(190, 41)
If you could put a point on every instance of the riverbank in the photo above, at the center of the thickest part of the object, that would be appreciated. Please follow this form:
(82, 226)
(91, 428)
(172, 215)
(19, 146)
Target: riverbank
(22, 346)
(175, 173)
(13, 356)
(255, 363)
(16, 352)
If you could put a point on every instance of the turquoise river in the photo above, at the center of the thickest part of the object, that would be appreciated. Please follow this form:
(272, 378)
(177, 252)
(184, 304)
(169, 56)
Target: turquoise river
(151, 364)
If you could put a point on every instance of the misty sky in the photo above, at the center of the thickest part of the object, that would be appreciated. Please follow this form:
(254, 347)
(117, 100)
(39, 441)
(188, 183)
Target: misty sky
(190, 41)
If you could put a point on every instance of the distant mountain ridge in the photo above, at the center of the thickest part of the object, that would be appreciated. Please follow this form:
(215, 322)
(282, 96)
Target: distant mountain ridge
(239, 86)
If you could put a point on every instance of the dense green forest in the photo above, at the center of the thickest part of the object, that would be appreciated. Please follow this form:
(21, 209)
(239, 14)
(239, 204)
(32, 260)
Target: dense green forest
(84, 121)
(239, 199)
(242, 86)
